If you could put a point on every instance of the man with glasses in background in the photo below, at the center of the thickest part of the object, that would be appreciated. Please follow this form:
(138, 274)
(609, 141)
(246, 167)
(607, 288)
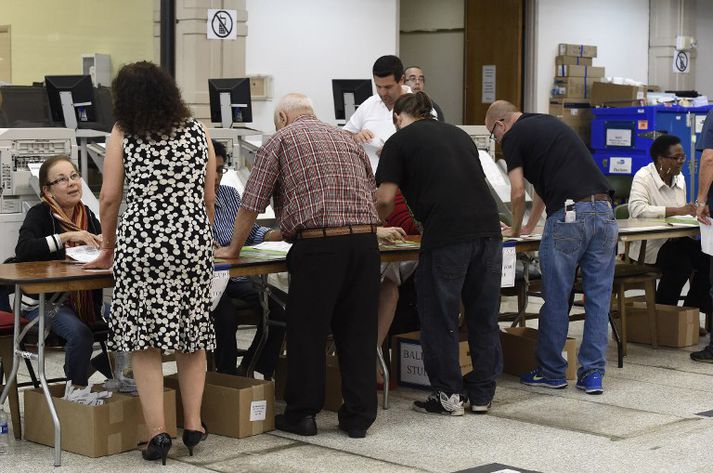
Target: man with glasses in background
(417, 81)
(225, 315)
(550, 155)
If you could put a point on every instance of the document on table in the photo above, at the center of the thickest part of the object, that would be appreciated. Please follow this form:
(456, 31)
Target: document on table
(273, 247)
(707, 239)
(82, 253)
(684, 220)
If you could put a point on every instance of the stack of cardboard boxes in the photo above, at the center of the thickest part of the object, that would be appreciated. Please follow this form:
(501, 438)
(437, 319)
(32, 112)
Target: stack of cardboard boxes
(572, 90)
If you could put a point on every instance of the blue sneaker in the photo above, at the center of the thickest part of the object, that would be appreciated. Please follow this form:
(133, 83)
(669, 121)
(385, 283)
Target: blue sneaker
(591, 383)
(536, 378)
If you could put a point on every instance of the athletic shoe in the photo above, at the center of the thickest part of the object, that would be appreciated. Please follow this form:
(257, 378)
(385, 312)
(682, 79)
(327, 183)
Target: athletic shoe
(441, 403)
(704, 356)
(480, 409)
(536, 378)
(591, 383)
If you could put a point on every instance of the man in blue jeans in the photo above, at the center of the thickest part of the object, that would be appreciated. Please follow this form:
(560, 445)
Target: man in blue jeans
(437, 168)
(548, 153)
(703, 204)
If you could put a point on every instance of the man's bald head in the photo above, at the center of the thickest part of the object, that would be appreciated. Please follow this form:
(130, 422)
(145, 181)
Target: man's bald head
(290, 107)
(499, 110)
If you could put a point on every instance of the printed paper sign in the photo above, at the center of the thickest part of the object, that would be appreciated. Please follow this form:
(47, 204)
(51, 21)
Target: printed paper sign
(616, 137)
(681, 62)
(222, 24)
(509, 260)
(258, 410)
(620, 165)
(488, 92)
(412, 370)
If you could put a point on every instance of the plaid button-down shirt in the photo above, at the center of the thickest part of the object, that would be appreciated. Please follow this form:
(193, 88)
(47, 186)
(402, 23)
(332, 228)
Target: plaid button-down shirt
(318, 176)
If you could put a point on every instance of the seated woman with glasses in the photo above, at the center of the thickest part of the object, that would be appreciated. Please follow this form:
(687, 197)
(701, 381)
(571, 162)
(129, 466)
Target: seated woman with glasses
(61, 220)
(657, 191)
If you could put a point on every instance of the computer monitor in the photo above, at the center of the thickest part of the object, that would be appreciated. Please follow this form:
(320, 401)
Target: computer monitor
(23, 106)
(104, 108)
(230, 101)
(71, 100)
(348, 95)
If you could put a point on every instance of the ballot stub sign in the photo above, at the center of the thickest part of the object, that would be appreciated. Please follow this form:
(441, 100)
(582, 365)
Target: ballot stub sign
(508, 276)
(222, 24)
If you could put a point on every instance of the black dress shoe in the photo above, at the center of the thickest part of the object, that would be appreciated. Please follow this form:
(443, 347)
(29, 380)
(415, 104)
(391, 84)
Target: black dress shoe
(353, 432)
(157, 448)
(304, 426)
(191, 438)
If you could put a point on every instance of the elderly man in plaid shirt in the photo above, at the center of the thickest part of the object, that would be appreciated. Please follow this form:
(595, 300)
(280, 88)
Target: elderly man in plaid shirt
(323, 191)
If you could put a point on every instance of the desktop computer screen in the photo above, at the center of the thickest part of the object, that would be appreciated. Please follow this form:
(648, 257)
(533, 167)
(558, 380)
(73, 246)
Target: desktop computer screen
(24, 106)
(348, 95)
(71, 100)
(230, 101)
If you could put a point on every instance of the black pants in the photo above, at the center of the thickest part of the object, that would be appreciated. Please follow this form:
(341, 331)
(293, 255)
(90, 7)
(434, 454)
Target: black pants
(334, 287)
(677, 259)
(470, 272)
(226, 324)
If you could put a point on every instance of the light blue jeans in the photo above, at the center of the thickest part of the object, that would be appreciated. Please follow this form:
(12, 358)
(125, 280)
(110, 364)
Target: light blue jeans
(589, 243)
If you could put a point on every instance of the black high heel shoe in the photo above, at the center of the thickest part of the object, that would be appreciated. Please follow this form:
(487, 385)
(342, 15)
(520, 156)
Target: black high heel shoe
(191, 438)
(158, 447)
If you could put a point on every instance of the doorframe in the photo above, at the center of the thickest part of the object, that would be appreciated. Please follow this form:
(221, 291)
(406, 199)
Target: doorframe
(529, 50)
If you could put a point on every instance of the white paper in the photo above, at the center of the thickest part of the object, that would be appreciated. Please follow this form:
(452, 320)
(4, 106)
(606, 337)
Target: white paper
(82, 253)
(280, 246)
(620, 165)
(217, 287)
(618, 137)
(707, 239)
(492, 171)
(35, 168)
(509, 260)
(681, 62)
(258, 410)
(488, 92)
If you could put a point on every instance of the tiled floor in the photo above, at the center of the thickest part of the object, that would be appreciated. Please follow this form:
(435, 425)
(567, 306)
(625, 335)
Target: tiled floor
(645, 422)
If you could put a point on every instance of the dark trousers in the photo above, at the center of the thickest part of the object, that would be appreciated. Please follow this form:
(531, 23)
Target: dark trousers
(334, 287)
(470, 272)
(226, 324)
(677, 259)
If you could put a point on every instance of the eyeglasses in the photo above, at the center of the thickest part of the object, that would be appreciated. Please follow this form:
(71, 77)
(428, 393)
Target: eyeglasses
(420, 79)
(221, 170)
(492, 132)
(678, 157)
(64, 180)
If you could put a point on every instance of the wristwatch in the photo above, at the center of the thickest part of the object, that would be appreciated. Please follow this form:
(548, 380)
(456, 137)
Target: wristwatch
(699, 204)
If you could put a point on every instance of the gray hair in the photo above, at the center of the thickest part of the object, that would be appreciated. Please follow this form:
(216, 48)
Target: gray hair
(294, 103)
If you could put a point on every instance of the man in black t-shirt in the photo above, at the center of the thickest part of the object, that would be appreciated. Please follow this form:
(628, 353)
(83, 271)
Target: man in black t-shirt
(437, 168)
(549, 154)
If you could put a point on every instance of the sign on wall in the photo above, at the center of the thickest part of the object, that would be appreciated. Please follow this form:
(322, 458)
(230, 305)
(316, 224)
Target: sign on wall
(222, 24)
(681, 62)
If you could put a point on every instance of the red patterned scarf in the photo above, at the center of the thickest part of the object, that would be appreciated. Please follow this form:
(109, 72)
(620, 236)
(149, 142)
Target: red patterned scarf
(82, 301)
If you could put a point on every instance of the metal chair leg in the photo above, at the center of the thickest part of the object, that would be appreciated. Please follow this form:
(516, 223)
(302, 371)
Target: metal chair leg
(385, 371)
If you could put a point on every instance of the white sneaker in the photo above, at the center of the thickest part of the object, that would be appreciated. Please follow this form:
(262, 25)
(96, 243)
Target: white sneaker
(480, 409)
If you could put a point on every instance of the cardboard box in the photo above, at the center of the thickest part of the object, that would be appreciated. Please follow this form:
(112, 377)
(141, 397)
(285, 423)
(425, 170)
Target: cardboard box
(332, 383)
(676, 326)
(572, 87)
(577, 113)
(519, 351)
(581, 50)
(233, 406)
(574, 60)
(94, 431)
(615, 95)
(407, 359)
(569, 70)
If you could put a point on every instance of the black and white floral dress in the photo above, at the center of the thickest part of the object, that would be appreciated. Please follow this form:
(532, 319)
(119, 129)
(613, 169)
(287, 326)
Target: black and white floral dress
(163, 263)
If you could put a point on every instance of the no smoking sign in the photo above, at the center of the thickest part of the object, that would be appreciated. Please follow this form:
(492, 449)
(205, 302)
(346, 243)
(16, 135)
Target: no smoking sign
(221, 24)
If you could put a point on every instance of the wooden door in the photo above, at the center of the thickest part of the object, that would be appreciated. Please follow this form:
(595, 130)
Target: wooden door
(494, 32)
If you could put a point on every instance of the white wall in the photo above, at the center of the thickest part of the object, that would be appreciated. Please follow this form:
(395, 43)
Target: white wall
(704, 36)
(619, 29)
(439, 53)
(305, 44)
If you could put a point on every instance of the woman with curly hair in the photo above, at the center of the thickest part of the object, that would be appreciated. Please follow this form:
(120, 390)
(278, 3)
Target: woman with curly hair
(162, 253)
